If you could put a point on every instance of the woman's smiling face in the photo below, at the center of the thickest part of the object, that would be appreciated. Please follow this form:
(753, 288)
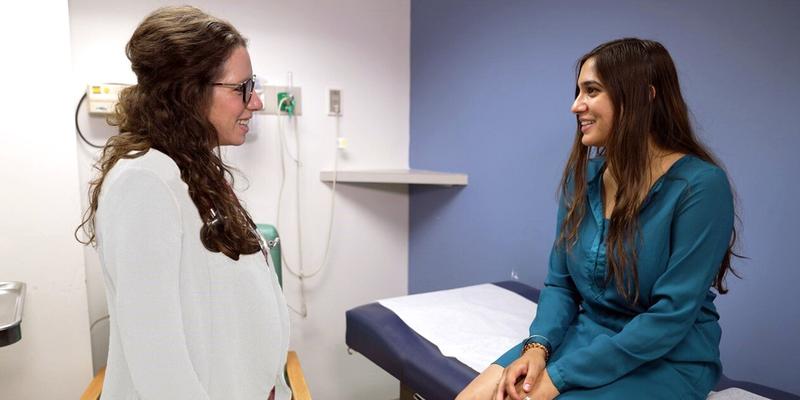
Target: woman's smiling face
(227, 112)
(593, 107)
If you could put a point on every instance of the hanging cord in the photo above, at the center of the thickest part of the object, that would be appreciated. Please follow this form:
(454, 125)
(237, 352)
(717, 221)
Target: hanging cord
(303, 312)
(284, 144)
(285, 150)
(78, 127)
(330, 217)
(300, 273)
(97, 321)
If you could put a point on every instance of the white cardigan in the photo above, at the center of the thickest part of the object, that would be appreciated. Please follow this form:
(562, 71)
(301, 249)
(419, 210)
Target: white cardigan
(186, 323)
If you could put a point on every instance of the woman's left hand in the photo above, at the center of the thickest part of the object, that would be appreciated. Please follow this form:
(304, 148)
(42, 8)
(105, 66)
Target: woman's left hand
(543, 389)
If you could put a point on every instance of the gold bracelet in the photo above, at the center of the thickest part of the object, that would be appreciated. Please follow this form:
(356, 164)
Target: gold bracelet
(534, 345)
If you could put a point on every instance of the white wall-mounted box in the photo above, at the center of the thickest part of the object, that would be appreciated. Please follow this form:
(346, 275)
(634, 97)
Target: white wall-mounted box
(103, 97)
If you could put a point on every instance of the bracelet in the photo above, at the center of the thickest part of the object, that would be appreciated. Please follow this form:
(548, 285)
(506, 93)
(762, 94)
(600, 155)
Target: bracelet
(534, 345)
(543, 340)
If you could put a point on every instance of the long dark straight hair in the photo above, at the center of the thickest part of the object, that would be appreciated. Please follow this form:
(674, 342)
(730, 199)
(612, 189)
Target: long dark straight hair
(176, 52)
(628, 69)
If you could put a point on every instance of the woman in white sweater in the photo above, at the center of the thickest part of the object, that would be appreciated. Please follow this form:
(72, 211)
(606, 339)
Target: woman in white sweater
(196, 312)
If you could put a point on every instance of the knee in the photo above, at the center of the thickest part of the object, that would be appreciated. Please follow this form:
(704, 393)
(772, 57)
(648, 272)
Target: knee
(477, 390)
(468, 394)
(482, 387)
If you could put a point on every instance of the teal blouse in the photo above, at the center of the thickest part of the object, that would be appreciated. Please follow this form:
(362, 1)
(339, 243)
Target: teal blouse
(597, 337)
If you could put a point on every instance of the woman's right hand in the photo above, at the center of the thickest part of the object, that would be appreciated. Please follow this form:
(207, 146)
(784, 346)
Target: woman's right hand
(530, 365)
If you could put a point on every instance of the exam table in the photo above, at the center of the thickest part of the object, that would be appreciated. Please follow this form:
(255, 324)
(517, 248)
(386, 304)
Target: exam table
(424, 373)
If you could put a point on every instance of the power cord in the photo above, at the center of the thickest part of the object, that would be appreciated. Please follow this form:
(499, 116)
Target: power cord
(78, 127)
(300, 274)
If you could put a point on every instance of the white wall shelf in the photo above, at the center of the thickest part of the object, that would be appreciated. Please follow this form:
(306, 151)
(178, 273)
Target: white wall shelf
(396, 176)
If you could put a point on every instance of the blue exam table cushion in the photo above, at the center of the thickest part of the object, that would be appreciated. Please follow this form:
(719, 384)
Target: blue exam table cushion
(380, 335)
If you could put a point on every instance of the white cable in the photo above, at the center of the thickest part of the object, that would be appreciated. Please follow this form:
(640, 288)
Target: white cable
(329, 240)
(97, 321)
(283, 161)
(303, 308)
(333, 205)
(297, 187)
(280, 191)
(303, 313)
(283, 177)
(300, 274)
(280, 132)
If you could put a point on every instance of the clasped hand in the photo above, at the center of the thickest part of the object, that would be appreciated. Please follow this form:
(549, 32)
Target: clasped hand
(526, 379)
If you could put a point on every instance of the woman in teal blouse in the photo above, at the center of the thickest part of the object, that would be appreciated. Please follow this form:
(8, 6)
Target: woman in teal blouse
(645, 231)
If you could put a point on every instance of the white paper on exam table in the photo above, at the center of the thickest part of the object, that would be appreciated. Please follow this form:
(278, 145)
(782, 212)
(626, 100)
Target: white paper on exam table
(474, 324)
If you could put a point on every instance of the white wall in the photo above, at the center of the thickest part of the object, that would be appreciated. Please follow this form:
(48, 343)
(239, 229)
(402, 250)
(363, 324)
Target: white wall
(359, 46)
(40, 205)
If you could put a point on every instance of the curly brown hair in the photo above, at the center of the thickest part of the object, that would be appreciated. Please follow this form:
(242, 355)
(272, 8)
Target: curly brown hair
(176, 52)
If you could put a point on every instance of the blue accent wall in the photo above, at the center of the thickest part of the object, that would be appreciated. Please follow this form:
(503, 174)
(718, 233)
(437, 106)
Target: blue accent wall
(491, 87)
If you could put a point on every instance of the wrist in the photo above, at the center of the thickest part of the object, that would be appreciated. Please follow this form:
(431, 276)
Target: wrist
(536, 350)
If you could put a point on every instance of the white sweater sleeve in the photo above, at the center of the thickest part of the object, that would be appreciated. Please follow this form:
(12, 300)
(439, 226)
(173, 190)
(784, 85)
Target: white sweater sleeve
(141, 241)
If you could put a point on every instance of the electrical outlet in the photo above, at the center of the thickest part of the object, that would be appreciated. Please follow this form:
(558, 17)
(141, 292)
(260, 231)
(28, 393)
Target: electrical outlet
(334, 102)
(103, 97)
(274, 94)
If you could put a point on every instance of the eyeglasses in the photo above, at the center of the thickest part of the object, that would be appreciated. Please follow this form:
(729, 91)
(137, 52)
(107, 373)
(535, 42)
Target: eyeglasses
(245, 88)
